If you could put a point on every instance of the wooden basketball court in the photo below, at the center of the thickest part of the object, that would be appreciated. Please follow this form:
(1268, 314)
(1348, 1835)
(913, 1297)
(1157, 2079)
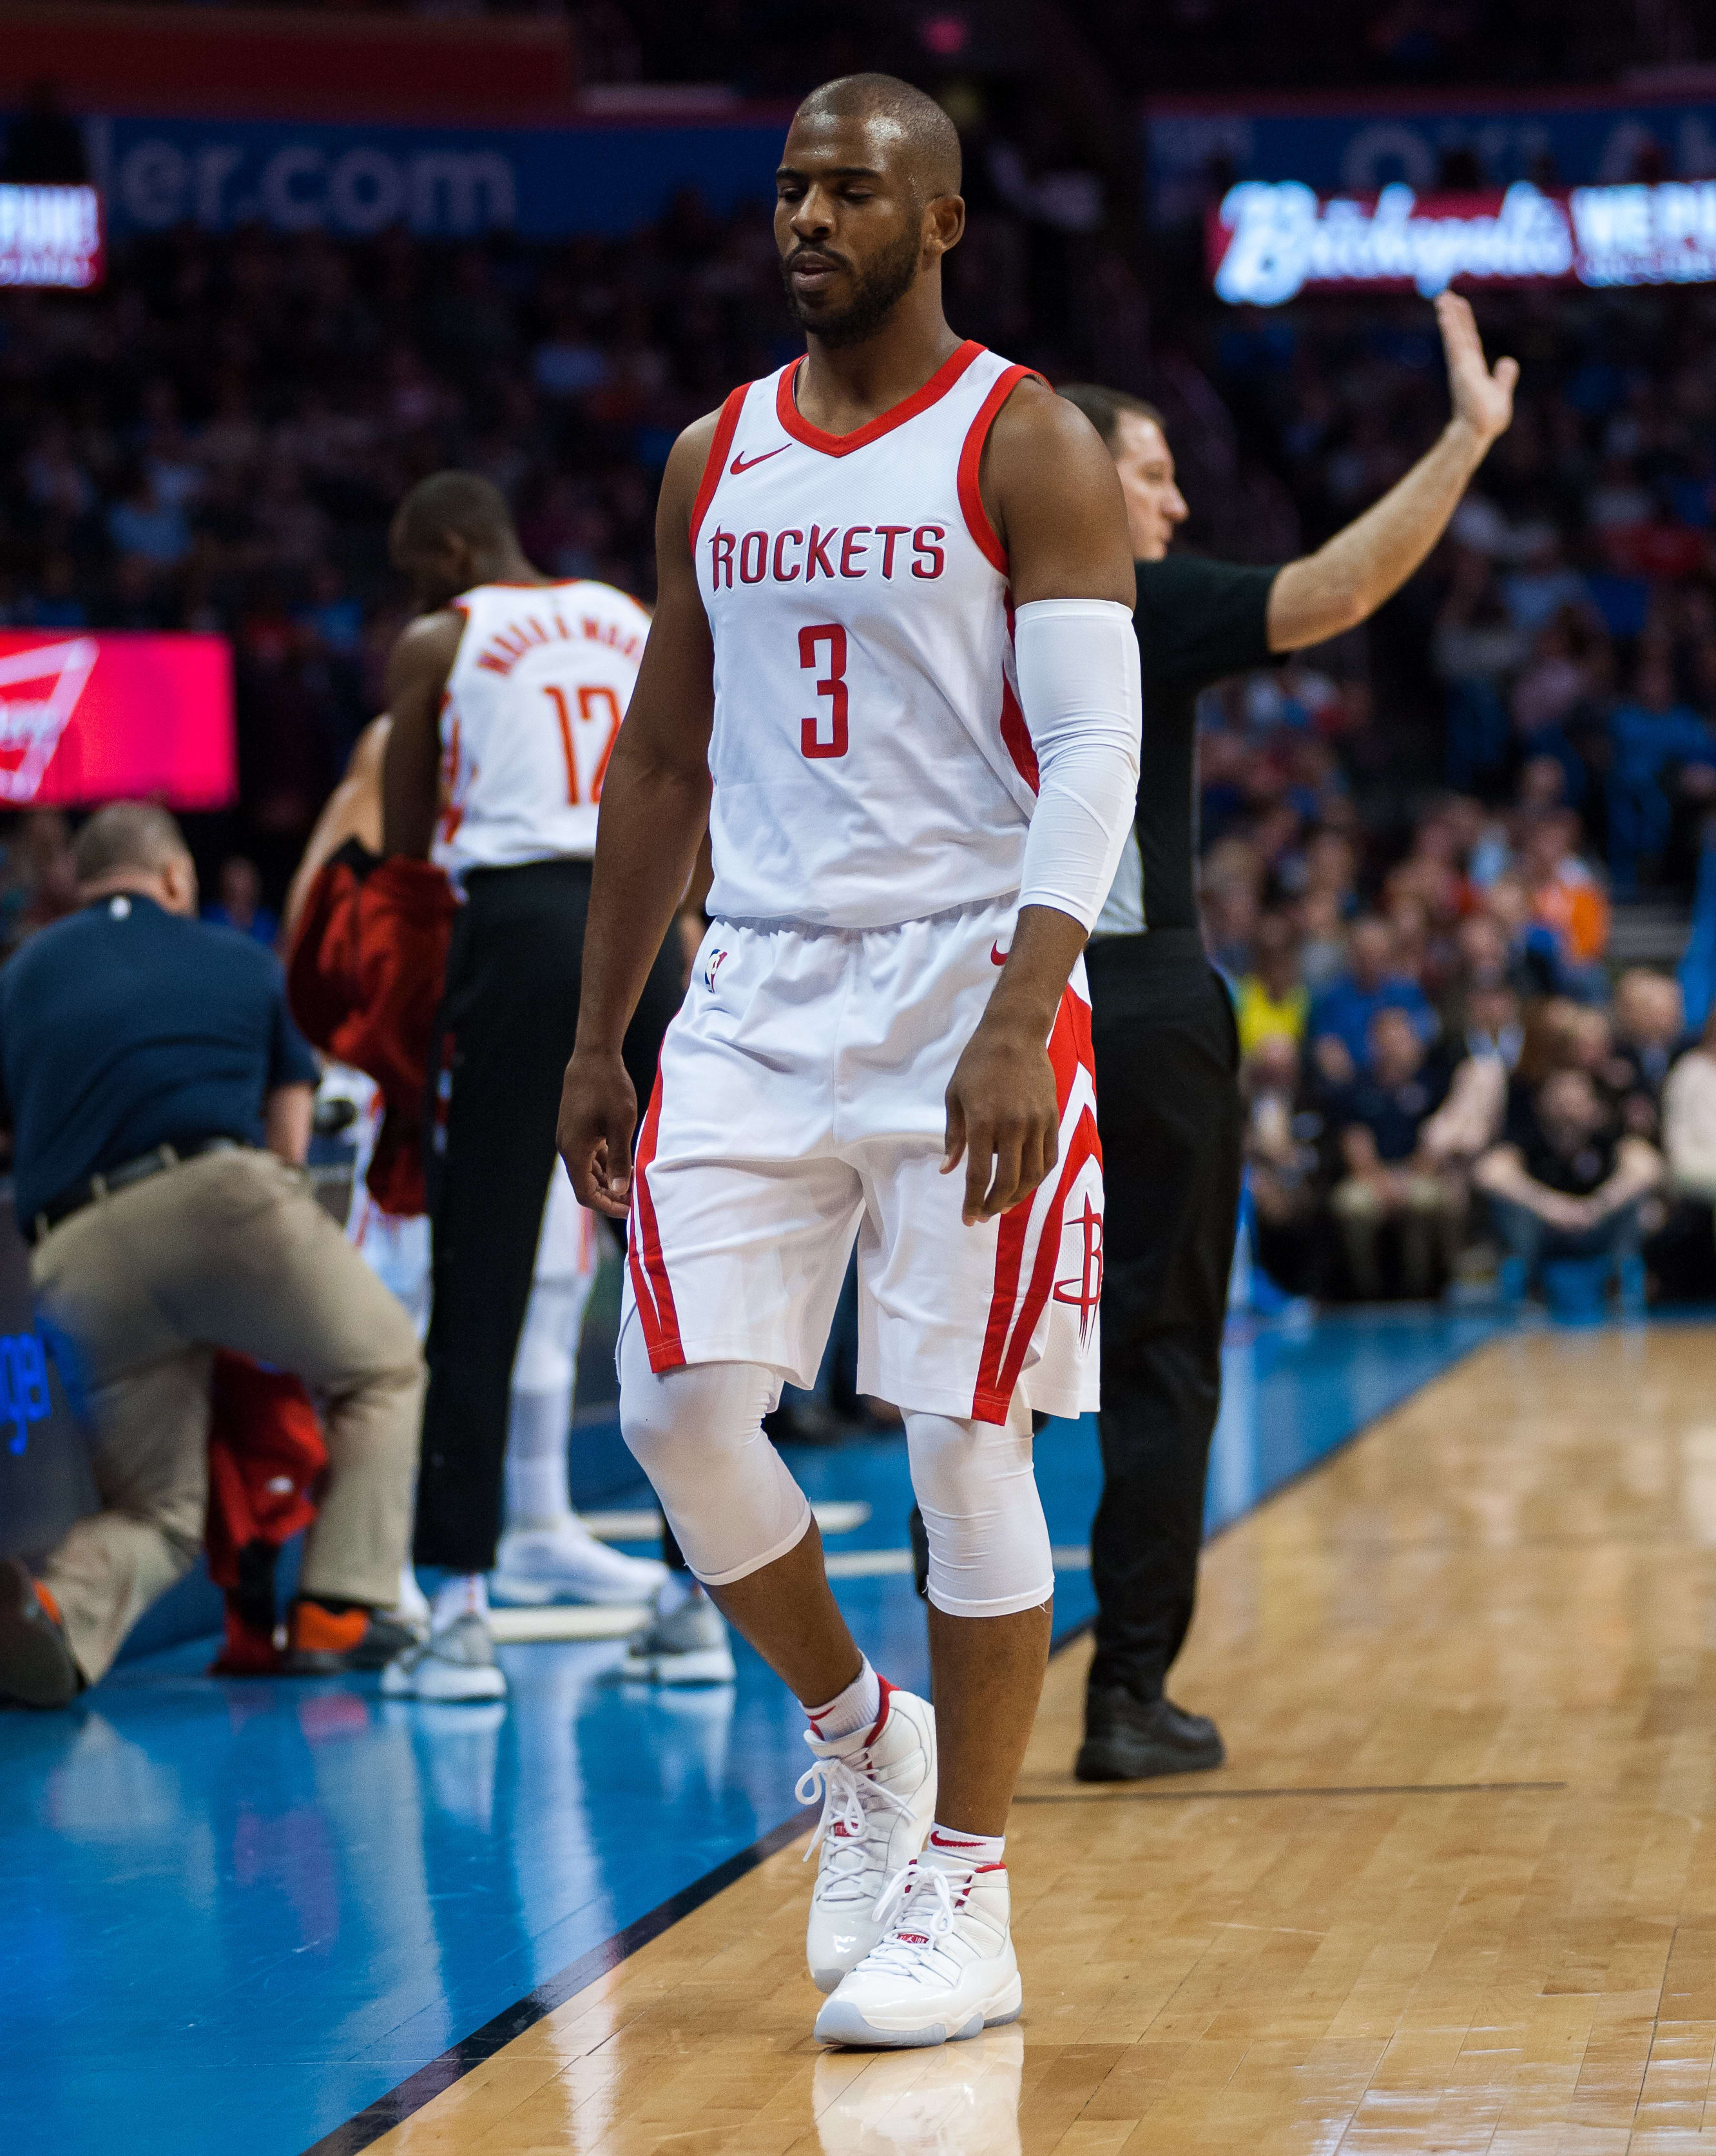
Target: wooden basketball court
(1456, 1890)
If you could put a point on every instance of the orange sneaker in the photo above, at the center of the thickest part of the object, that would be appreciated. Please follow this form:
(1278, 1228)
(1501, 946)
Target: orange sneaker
(37, 1667)
(322, 1642)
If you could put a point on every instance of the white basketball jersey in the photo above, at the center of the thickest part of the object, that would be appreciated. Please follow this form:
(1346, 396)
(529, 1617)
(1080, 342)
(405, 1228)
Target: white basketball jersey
(539, 687)
(870, 760)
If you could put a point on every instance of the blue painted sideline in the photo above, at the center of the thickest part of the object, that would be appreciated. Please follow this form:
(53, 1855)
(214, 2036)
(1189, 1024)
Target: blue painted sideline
(460, 2059)
(256, 1917)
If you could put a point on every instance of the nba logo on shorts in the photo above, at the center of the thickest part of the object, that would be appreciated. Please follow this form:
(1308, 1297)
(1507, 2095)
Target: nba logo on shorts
(1078, 1275)
(711, 966)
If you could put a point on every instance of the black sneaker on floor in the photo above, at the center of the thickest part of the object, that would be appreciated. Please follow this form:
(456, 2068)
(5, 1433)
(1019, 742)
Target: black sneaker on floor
(36, 1664)
(1129, 1740)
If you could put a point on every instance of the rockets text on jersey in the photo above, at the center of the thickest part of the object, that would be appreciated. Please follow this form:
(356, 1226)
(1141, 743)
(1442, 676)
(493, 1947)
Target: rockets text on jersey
(870, 760)
(533, 705)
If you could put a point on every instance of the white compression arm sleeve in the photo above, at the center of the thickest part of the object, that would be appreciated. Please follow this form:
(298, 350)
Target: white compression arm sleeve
(1082, 698)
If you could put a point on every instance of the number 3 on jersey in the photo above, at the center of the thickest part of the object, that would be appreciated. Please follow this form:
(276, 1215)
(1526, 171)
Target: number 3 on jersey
(597, 707)
(832, 685)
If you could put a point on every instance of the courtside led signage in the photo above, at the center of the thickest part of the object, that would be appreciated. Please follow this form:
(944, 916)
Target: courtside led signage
(50, 237)
(86, 718)
(1270, 240)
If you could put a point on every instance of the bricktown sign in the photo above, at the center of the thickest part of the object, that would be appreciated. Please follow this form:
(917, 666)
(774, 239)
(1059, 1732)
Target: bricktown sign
(1270, 240)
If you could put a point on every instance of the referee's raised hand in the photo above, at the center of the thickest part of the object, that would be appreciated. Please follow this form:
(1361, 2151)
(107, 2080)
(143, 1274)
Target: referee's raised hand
(1482, 395)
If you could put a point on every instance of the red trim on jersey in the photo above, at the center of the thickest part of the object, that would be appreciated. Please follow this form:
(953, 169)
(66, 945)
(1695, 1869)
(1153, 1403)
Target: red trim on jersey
(649, 1269)
(976, 516)
(726, 427)
(1007, 1336)
(1016, 735)
(843, 445)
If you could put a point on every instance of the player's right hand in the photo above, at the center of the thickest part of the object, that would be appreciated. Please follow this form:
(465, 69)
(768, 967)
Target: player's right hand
(598, 1113)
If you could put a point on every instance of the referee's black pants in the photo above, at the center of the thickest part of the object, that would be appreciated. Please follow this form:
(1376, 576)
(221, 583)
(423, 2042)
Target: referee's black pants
(508, 1017)
(1167, 1055)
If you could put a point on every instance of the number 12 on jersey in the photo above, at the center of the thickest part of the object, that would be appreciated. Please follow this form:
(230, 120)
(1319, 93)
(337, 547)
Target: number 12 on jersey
(832, 685)
(596, 706)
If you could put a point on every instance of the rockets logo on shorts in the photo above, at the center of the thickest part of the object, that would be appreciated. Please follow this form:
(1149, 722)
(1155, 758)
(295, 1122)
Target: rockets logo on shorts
(1082, 1285)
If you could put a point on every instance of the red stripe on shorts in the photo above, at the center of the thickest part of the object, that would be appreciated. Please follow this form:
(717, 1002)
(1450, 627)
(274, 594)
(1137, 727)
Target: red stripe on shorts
(1013, 1321)
(649, 1269)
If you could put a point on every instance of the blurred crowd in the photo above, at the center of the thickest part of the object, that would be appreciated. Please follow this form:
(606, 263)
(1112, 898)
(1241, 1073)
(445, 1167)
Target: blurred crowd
(1445, 1087)
(1439, 809)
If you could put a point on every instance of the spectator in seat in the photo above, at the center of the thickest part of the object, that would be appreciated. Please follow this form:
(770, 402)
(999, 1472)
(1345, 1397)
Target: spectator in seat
(159, 1099)
(1284, 1132)
(1271, 1001)
(1391, 1187)
(239, 906)
(1653, 738)
(1564, 1182)
(1682, 1253)
(1565, 895)
(1341, 1016)
(1650, 1026)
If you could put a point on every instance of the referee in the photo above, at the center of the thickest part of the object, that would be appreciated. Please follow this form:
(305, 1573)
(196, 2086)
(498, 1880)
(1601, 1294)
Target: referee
(1166, 1048)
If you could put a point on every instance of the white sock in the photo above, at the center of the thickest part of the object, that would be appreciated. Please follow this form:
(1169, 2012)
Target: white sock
(855, 1708)
(675, 1591)
(537, 1425)
(466, 1595)
(952, 1845)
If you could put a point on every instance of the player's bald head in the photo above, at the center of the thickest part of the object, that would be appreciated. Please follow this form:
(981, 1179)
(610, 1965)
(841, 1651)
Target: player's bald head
(450, 504)
(904, 122)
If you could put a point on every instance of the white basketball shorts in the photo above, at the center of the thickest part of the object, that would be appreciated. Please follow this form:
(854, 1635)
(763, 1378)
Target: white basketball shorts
(800, 1104)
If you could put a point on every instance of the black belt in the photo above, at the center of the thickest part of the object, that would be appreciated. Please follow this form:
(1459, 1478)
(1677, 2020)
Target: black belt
(93, 1187)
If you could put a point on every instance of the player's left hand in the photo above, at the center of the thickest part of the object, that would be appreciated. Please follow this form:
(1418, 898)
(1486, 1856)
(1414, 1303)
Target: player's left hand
(1483, 397)
(1003, 1117)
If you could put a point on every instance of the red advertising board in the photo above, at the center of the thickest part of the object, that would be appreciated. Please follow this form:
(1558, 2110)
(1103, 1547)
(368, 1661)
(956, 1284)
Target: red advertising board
(88, 715)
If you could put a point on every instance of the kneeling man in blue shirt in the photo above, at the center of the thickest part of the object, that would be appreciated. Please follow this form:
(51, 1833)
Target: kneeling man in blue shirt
(160, 1101)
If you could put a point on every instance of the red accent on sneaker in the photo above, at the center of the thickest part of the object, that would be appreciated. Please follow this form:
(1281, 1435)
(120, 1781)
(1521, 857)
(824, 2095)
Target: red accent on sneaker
(936, 1841)
(887, 1691)
(45, 1596)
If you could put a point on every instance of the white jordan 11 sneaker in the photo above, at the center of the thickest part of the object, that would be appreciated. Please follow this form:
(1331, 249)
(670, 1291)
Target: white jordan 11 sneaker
(877, 1787)
(565, 1562)
(944, 1968)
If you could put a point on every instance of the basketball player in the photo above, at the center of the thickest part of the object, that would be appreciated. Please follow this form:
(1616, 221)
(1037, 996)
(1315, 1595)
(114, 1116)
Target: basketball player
(546, 1552)
(1166, 1052)
(914, 817)
(505, 697)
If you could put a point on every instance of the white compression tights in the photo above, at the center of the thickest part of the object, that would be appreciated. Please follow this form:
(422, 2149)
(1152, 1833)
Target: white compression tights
(697, 1433)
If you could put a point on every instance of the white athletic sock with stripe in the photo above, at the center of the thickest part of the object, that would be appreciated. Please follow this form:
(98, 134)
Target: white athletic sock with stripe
(855, 1708)
(953, 1846)
(466, 1595)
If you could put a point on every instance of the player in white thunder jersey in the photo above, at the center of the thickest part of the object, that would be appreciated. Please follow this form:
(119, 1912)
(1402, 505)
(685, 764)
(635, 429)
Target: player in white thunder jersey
(893, 627)
(507, 698)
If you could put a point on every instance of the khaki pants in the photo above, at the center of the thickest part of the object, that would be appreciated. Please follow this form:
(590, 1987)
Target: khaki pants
(227, 1251)
(1427, 1217)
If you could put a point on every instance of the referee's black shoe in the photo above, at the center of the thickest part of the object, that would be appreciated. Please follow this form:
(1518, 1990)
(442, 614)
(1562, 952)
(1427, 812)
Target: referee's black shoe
(1129, 1740)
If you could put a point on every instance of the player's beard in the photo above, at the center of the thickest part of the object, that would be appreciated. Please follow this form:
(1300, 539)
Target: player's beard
(877, 291)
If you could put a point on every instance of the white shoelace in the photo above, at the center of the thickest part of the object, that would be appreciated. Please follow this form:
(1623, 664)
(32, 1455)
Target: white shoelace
(900, 1899)
(849, 1796)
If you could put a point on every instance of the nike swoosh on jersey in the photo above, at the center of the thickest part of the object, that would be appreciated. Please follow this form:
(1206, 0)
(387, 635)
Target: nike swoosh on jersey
(744, 464)
(997, 956)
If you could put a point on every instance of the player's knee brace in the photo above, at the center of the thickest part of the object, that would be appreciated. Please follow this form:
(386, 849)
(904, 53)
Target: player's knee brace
(989, 1548)
(697, 1434)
